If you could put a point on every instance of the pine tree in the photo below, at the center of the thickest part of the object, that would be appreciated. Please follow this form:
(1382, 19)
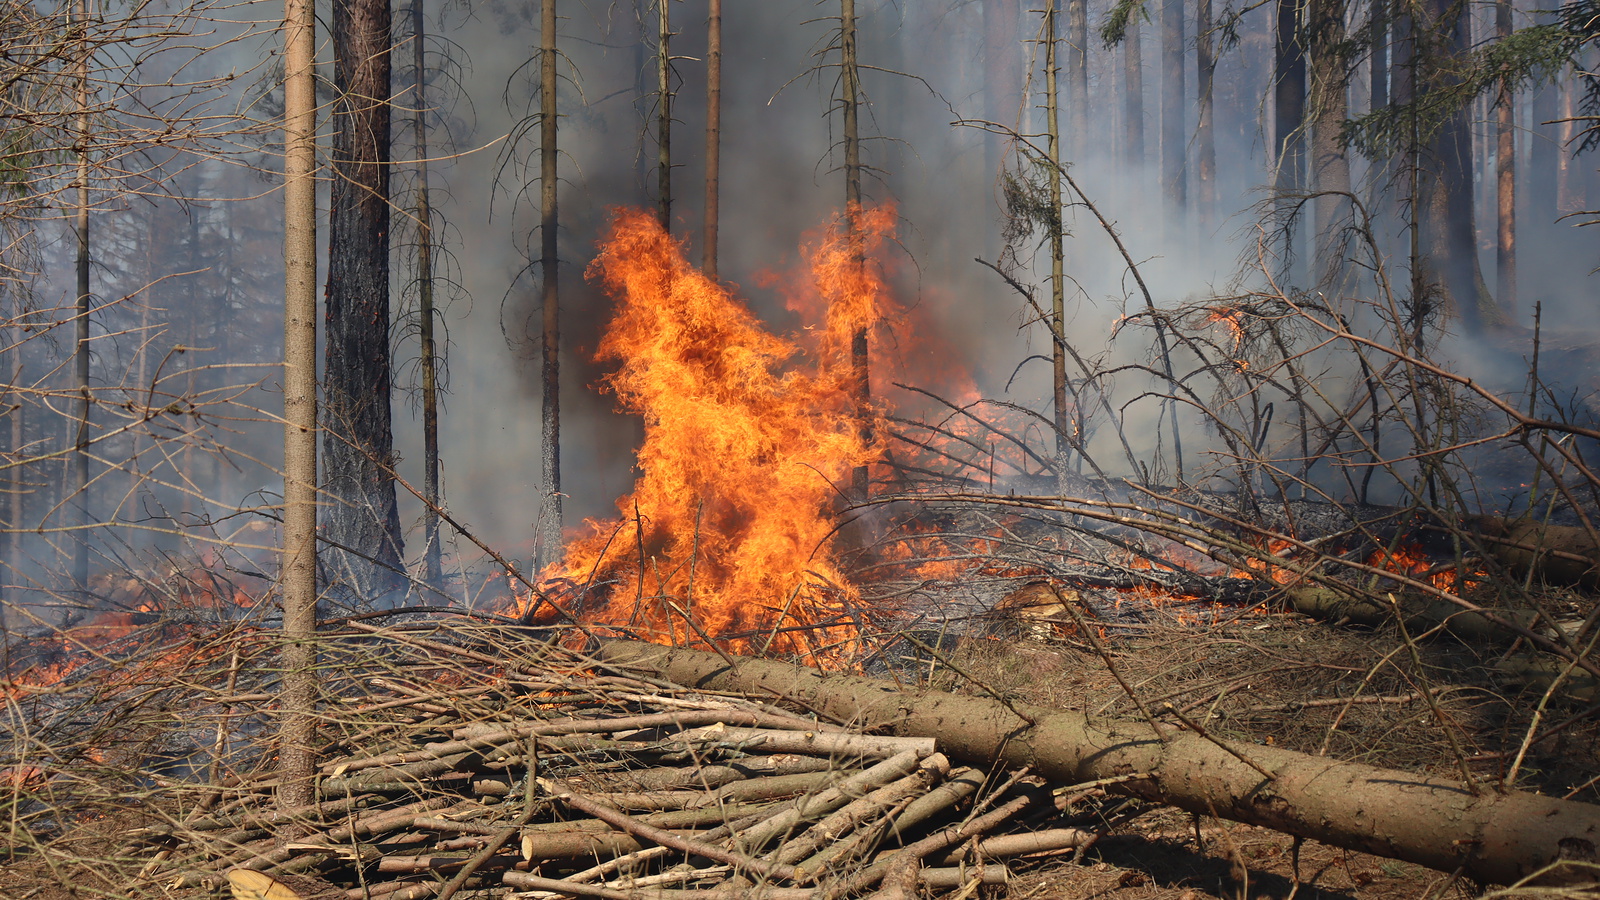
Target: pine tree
(361, 518)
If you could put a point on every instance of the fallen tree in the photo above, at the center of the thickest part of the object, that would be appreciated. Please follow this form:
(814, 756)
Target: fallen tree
(1491, 835)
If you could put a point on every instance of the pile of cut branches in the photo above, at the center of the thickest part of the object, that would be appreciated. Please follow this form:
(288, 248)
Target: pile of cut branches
(554, 778)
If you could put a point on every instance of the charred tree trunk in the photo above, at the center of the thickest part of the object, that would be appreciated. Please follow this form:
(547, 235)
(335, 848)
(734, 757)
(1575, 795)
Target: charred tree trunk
(1288, 121)
(708, 261)
(850, 101)
(1330, 167)
(80, 458)
(297, 729)
(549, 539)
(1492, 836)
(432, 568)
(1505, 179)
(361, 520)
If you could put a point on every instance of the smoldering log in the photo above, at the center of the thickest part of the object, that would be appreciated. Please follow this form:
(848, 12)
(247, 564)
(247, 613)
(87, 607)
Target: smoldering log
(1492, 836)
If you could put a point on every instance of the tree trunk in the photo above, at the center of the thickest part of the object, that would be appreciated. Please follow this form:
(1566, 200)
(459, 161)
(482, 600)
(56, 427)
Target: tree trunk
(1205, 128)
(1492, 836)
(1288, 120)
(1330, 167)
(297, 760)
(664, 113)
(708, 262)
(432, 568)
(1174, 138)
(1133, 96)
(1078, 76)
(1545, 150)
(1444, 175)
(548, 548)
(1058, 309)
(1002, 76)
(80, 459)
(850, 99)
(1378, 56)
(1381, 188)
(1567, 184)
(361, 521)
(1505, 180)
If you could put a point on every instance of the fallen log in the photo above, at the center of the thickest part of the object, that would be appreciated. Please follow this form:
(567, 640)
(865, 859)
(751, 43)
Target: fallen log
(1492, 836)
(1422, 614)
(1560, 554)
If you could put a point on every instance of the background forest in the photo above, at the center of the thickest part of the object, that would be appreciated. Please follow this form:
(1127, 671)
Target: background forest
(1427, 153)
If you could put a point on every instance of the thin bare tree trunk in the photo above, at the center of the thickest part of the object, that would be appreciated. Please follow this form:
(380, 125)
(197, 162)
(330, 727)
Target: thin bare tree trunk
(1378, 56)
(1545, 149)
(1566, 184)
(1288, 102)
(1133, 90)
(549, 543)
(297, 729)
(432, 567)
(80, 461)
(1133, 104)
(1174, 99)
(1058, 309)
(1002, 75)
(1078, 75)
(1205, 125)
(664, 113)
(1330, 167)
(708, 261)
(850, 101)
(1505, 179)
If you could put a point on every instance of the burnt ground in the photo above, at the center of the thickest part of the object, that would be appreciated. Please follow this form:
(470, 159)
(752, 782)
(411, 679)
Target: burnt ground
(1286, 680)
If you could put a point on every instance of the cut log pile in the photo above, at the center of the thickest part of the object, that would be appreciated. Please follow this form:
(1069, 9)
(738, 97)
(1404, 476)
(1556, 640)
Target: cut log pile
(563, 783)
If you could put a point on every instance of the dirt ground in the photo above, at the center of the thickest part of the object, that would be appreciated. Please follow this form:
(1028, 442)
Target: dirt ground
(1285, 680)
(1159, 857)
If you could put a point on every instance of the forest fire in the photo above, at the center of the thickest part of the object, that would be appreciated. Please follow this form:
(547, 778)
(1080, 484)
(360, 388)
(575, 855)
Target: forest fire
(748, 446)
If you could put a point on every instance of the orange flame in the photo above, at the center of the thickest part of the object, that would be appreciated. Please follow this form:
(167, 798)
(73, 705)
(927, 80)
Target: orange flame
(745, 451)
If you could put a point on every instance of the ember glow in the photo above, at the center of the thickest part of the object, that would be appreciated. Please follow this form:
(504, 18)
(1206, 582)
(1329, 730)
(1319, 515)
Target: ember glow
(749, 441)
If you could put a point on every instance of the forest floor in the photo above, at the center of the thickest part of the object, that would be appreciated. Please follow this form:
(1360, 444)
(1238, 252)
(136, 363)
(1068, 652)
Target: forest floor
(1434, 705)
(1286, 680)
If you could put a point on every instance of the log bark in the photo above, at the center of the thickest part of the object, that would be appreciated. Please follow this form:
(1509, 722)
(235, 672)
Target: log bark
(1560, 554)
(1492, 836)
(1421, 613)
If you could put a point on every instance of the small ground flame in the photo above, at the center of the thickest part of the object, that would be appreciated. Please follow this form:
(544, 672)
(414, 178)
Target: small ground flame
(747, 446)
